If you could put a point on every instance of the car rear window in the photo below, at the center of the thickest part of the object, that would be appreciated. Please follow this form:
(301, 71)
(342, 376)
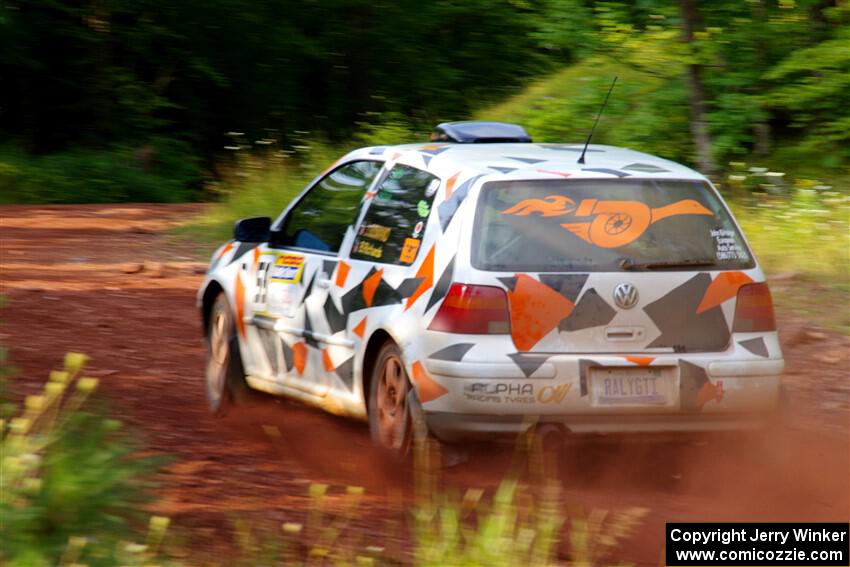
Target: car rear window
(604, 225)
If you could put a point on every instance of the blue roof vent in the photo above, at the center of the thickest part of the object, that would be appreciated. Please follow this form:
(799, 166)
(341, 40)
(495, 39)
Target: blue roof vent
(479, 133)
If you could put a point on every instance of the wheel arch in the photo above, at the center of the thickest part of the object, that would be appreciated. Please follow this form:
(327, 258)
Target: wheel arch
(207, 299)
(370, 356)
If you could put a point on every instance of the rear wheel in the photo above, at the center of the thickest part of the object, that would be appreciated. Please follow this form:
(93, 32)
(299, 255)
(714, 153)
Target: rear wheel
(389, 414)
(225, 378)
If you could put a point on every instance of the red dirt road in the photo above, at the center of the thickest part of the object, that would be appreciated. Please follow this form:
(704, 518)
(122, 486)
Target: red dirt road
(71, 277)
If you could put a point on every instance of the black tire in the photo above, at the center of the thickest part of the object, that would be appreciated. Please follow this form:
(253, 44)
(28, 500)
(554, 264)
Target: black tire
(389, 415)
(224, 377)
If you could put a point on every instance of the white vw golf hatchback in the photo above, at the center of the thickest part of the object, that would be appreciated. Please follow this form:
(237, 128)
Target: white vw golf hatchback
(481, 283)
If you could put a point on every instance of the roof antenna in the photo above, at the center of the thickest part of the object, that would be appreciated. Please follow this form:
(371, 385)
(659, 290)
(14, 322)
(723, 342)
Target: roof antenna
(589, 136)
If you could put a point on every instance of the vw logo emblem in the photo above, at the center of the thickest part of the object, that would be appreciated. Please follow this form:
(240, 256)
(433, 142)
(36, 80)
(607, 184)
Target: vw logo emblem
(625, 295)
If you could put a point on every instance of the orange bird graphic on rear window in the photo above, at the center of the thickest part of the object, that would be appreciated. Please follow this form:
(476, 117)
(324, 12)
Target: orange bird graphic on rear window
(608, 224)
(551, 206)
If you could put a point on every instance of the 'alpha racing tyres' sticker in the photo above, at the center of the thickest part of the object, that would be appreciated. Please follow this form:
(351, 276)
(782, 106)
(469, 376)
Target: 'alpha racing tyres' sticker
(288, 268)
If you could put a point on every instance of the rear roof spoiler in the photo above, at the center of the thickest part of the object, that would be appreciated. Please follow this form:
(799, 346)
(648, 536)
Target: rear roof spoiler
(474, 132)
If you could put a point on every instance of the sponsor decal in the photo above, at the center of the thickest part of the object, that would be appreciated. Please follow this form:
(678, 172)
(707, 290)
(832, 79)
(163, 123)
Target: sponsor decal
(278, 300)
(726, 245)
(409, 250)
(516, 393)
(376, 232)
(369, 249)
(423, 208)
(550, 206)
(553, 394)
(261, 287)
(606, 224)
(417, 230)
(500, 392)
(432, 188)
(501, 388)
(288, 268)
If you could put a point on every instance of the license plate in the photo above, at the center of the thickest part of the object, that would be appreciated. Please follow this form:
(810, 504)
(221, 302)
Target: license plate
(630, 386)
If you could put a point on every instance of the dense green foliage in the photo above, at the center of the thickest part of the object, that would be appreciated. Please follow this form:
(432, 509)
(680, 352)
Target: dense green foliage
(640, 114)
(126, 100)
(98, 74)
(773, 75)
(98, 176)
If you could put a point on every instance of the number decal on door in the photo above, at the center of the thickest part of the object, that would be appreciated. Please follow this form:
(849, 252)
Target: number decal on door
(262, 282)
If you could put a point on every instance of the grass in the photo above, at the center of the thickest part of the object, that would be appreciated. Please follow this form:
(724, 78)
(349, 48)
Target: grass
(256, 183)
(519, 523)
(260, 179)
(802, 227)
(800, 231)
(814, 305)
(72, 484)
(811, 243)
(73, 492)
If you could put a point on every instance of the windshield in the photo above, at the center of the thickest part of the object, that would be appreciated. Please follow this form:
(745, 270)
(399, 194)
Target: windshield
(604, 225)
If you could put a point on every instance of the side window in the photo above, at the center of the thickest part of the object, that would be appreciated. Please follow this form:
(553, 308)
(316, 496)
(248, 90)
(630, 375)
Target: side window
(319, 220)
(395, 221)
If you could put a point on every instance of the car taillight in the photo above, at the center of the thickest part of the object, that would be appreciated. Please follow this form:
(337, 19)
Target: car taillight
(754, 309)
(474, 310)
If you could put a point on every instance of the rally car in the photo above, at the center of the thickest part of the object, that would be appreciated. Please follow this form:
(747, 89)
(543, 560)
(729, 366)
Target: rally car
(480, 283)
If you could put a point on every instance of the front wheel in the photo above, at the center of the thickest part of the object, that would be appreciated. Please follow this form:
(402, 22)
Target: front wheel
(389, 414)
(225, 379)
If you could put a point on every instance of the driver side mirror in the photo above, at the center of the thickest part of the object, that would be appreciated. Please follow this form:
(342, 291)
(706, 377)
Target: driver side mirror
(252, 229)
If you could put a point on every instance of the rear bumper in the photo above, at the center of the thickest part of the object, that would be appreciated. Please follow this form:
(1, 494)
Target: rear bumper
(456, 427)
(547, 367)
(703, 392)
